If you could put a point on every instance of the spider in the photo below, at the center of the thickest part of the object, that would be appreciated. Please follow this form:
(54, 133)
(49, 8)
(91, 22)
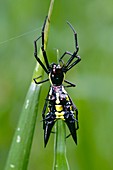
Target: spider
(58, 101)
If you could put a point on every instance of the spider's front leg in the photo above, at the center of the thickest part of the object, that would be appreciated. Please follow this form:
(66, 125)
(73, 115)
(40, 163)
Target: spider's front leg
(69, 63)
(76, 47)
(43, 40)
(74, 63)
(46, 69)
(36, 55)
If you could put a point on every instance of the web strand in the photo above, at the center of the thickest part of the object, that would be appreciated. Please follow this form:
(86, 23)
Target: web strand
(19, 36)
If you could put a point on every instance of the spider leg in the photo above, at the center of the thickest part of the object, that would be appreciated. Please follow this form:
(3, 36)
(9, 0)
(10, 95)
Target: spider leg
(75, 36)
(69, 63)
(40, 81)
(70, 84)
(36, 56)
(66, 52)
(43, 50)
(76, 45)
(74, 63)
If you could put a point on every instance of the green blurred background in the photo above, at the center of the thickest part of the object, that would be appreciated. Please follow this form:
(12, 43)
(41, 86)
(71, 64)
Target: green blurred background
(93, 21)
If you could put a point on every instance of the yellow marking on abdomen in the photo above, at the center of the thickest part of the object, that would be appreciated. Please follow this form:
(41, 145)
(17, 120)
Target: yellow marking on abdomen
(59, 115)
(59, 108)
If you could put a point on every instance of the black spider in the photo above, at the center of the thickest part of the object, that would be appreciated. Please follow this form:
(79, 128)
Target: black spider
(60, 105)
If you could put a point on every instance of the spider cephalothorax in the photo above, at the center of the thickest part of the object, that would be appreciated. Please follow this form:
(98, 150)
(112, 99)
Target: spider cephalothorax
(56, 74)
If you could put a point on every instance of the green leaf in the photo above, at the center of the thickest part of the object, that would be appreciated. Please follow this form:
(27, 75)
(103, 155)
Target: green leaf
(18, 157)
(60, 162)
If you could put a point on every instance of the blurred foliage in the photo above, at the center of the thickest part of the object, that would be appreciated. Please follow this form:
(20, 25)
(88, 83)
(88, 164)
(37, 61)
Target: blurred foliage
(93, 21)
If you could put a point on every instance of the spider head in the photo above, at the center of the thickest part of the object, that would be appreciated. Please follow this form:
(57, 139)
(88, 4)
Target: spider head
(56, 74)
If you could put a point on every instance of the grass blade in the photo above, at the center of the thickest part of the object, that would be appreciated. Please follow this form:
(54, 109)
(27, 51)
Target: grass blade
(21, 145)
(60, 162)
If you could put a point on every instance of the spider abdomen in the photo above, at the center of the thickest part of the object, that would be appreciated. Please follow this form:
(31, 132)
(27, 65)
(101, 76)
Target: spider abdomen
(60, 107)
